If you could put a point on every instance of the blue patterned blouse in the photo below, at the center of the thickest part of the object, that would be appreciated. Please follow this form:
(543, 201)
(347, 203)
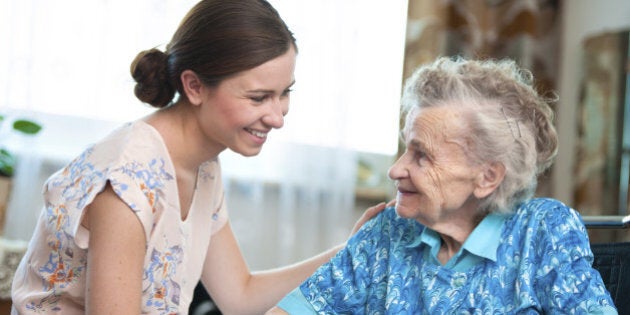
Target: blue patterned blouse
(542, 265)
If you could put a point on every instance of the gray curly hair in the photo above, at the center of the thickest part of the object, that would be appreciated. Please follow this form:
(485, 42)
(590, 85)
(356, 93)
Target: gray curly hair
(508, 121)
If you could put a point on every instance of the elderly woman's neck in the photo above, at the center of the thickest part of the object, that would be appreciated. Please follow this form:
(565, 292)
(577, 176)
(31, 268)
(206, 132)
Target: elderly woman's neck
(453, 234)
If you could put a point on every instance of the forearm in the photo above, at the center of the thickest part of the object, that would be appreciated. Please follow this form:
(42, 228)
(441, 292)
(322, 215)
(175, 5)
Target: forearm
(236, 290)
(287, 278)
(276, 311)
(264, 289)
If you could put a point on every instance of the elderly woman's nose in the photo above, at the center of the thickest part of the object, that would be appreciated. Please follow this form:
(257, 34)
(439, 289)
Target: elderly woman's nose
(397, 170)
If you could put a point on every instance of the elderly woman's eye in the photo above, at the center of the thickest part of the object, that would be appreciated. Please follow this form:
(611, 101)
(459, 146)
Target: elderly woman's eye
(420, 155)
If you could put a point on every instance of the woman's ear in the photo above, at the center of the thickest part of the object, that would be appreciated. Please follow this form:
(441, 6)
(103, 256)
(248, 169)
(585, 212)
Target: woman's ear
(193, 87)
(489, 179)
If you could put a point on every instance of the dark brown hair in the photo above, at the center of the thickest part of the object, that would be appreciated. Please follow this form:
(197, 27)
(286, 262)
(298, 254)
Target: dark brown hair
(216, 39)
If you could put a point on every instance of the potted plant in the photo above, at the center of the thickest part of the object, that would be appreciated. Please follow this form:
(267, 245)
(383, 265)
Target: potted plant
(8, 161)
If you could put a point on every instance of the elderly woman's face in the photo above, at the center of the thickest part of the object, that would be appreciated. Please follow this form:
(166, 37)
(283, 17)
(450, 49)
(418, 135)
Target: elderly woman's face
(435, 178)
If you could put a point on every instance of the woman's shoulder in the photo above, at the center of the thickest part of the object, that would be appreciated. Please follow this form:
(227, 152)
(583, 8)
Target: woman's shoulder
(544, 202)
(546, 218)
(132, 142)
(135, 138)
(545, 209)
(132, 155)
(392, 227)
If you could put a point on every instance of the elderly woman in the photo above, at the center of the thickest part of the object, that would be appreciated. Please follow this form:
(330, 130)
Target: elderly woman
(465, 236)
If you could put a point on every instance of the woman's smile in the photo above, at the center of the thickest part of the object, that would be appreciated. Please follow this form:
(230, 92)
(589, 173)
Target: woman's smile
(259, 137)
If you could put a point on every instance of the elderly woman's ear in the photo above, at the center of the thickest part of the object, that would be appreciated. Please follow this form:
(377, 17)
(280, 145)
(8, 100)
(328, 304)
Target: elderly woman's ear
(489, 179)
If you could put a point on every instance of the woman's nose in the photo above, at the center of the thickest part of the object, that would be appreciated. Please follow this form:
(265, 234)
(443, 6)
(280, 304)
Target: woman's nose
(275, 117)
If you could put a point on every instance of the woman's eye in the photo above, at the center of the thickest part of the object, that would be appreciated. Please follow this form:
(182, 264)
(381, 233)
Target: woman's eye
(420, 156)
(287, 92)
(258, 99)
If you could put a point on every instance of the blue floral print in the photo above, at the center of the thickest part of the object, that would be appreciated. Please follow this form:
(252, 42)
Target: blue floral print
(543, 265)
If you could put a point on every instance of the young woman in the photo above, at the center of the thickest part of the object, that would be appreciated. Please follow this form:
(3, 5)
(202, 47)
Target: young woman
(132, 224)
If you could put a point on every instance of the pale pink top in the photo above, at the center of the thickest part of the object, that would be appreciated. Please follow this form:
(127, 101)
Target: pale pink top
(135, 161)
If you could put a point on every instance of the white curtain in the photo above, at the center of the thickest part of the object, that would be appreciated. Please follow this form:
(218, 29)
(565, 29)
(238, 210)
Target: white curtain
(298, 203)
(66, 64)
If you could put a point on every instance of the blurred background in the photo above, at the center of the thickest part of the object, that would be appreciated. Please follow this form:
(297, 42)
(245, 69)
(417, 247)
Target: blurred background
(65, 64)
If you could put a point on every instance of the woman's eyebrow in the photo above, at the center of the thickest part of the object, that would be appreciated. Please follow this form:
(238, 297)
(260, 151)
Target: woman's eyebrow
(266, 91)
(290, 85)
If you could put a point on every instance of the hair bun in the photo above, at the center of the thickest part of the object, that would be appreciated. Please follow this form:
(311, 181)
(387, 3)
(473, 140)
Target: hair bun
(149, 70)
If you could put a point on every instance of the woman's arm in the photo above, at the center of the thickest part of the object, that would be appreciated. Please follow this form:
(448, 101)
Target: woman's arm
(237, 290)
(276, 311)
(116, 253)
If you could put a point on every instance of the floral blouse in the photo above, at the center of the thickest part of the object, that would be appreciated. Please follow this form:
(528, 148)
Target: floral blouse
(542, 265)
(51, 277)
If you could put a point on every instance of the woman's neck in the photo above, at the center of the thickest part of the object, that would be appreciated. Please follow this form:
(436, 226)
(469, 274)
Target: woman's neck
(182, 136)
(454, 234)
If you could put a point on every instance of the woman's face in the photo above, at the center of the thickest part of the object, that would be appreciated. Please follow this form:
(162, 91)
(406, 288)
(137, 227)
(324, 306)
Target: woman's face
(434, 177)
(241, 111)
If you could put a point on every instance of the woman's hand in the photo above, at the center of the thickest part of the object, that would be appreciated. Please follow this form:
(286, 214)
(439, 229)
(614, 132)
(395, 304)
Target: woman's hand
(369, 213)
(276, 311)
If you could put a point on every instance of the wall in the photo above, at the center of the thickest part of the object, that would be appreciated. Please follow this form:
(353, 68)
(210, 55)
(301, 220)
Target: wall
(581, 18)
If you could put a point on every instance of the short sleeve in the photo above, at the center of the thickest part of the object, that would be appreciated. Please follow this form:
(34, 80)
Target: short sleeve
(144, 187)
(132, 196)
(133, 161)
(141, 186)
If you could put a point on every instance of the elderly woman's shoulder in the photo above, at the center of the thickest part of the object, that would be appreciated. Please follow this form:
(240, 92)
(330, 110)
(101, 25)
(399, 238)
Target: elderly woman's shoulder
(543, 204)
(549, 212)
(388, 219)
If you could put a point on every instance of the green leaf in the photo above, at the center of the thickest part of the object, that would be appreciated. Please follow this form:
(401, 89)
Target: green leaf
(26, 126)
(7, 163)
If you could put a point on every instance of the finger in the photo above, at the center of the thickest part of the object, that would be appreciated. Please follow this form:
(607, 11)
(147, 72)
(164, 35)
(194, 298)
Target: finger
(374, 210)
(368, 214)
(391, 203)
